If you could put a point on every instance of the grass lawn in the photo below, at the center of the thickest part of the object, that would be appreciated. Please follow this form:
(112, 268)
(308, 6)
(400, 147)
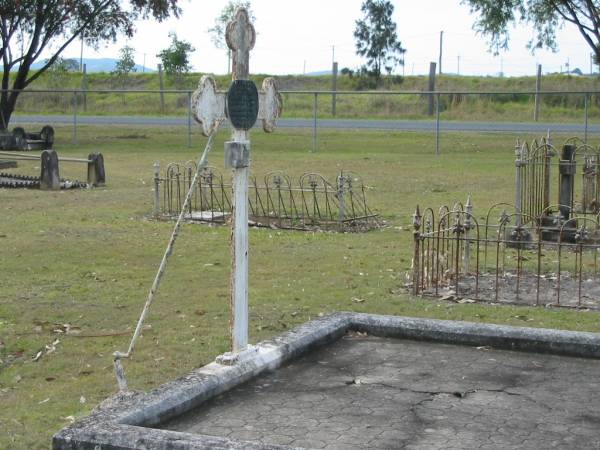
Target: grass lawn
(86, 259)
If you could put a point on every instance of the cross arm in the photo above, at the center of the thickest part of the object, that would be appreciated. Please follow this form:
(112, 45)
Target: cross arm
(208, 105)
(270, 104)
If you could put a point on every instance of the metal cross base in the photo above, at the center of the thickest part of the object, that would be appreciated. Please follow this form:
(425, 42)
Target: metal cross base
(233, 358)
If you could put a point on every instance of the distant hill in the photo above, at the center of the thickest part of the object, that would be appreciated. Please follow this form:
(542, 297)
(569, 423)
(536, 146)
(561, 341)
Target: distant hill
(319, 73)
(99, 65)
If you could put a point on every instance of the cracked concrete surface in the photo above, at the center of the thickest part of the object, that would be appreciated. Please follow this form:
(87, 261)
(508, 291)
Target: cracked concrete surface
(376, 392)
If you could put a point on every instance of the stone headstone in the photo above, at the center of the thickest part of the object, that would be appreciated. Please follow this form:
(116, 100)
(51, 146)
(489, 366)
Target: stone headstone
(49, 177)
(96, 175)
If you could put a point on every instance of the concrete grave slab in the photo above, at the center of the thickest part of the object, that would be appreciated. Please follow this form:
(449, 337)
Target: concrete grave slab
(357, 380)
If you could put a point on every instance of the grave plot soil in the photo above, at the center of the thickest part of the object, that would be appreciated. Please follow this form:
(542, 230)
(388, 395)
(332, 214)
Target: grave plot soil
(523, 290)
(370, 392)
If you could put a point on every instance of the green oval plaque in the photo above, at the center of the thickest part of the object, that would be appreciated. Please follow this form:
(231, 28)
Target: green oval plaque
(242, 104)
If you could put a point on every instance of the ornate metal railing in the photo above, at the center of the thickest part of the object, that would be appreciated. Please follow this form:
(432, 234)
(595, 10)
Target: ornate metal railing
(274, 200)
(507, 257)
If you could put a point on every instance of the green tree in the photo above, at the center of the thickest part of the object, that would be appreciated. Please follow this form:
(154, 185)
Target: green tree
(218, 31)
(125, 65)
(30, 27)
(545, 16)
(59, 70)
(376, 38)
(175, 58)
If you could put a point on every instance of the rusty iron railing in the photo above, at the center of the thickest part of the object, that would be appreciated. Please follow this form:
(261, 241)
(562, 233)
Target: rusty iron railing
(510, 257)
(274, 201)
(540, 166)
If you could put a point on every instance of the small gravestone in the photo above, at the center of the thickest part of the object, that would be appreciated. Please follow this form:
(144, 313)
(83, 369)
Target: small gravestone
(49, 177)
(96, 175)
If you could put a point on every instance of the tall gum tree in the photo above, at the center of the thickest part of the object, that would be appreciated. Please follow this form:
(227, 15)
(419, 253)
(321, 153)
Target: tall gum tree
(29, 27)
(377, 39)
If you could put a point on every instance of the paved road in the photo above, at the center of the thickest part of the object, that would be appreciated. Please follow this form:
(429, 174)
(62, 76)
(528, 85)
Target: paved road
(400, 125)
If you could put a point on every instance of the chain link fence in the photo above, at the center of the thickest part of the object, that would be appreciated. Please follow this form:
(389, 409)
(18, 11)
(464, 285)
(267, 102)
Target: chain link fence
(435, 112)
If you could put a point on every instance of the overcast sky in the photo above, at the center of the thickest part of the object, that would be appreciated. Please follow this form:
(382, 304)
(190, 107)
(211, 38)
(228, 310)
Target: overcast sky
(297, 36)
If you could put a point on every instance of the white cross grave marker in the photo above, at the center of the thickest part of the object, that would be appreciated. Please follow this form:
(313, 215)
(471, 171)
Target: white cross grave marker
(243, 105)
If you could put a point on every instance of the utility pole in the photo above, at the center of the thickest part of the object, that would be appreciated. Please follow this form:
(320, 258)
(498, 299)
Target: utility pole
(334, 74)
(538, 88)
(81, 55)
(431, 87)
(458, 64)
(144, 64)
(441, 46)
(304, 68)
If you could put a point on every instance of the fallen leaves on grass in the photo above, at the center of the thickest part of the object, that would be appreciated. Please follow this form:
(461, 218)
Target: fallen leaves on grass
(50, 348)
(65, 328)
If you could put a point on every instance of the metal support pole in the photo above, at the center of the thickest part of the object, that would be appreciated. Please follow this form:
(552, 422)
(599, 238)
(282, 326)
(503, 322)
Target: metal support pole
(161, 85)
(334, 74)
(538, 87)
(84, 86)
(239, 247)
(586, 104)
(74, 117)
(431, 88)
(315, 124)
(437, 125)
(189, 119)
(156, 189)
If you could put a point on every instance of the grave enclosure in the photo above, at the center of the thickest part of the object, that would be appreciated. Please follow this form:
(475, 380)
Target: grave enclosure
(274, 201)
(531, 252)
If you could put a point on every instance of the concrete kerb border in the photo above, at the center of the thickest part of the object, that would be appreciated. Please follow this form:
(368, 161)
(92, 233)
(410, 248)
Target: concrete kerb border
(125, 421)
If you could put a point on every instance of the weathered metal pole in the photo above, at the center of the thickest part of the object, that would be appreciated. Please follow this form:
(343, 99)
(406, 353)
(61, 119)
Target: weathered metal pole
(189, 102)
(441, 49)
(161, 85)
(334, 74)
(84, 86)
(431, 87)
(437, 125)
(586, 106)
(538, 87)
(74, 117)
(240, 39)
